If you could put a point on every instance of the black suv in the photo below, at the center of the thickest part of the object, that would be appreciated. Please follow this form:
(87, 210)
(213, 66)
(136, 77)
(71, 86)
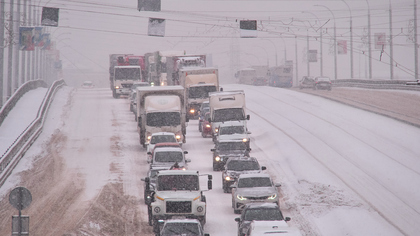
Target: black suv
(258, 212)
(236, 166)
(225, 149)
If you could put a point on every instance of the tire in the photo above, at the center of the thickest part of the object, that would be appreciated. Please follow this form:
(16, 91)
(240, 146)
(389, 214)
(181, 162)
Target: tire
(150, 217)
(236, 211)
(155, 226)
(203, 134)
(215, 167)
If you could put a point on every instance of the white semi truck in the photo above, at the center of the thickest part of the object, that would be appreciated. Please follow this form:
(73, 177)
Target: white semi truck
(177, 194)
(123, 79)
(198, 83)
(227, 106)
(161, 109)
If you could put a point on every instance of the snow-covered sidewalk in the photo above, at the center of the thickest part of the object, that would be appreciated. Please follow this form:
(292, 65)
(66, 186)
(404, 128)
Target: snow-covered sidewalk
(20, 117)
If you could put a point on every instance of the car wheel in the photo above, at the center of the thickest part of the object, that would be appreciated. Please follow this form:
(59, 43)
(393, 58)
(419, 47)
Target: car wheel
(236, 211)
(215, 167)
(203, 134)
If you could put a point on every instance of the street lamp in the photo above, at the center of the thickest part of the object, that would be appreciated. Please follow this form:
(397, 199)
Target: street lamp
(369, 45)
(351, 41)
(320, 42)
(335, 41)
(274, 48)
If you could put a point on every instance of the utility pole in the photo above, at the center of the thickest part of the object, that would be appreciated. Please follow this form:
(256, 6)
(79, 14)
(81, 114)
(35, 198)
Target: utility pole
(416, 46)
(16, 46)
(369, 42)
(351, 41)
(2, 21)
(10, 54)
(391, 47)
(23, 58)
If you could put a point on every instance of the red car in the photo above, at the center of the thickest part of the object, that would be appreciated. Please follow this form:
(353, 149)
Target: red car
(206, 126)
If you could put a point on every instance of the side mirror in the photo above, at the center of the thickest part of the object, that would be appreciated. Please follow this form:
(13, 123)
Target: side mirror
(263, 168)
(248, 132)
(213, 149)
(149, 153)
(287, 219)
(278, 185)
(187, 160)
(238, 219)
(209, 120)
(247, 117)
(185, 152)
(221, 89)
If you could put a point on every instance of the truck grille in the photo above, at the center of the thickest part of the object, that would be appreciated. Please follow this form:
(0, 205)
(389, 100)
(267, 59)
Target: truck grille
(257, 198)
(178, 207)
(126, 85)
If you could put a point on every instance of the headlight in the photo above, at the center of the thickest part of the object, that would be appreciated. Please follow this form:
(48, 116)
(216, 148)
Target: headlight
(245, 140)
(200, 209)
(157, 209)
(178, 136)
(272, 196)
(208, 126)
(217, 158)
(117, 87)
(192, 111)
(216, 130)
(149, 137)
(227, 178)
(241, 198)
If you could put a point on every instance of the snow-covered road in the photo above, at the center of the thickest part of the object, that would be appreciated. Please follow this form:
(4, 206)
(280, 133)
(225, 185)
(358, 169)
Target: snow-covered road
(343, 171)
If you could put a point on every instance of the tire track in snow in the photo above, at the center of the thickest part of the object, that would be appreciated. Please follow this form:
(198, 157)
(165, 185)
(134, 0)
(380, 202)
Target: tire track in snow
(340, 172)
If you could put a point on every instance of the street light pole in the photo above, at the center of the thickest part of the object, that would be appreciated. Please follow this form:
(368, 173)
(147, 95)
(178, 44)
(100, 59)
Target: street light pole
(369, 42)
(320, 42)
(351, 41)
(335, 41)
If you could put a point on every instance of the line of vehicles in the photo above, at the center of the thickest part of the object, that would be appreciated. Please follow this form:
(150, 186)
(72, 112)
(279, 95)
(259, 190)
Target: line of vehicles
(277, 76)
(163, 101)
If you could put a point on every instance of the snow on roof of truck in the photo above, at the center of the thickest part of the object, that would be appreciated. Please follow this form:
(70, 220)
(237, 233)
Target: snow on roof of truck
(158, 88)
(223, 93)
(178, 172)
(232, 123)
(116, 67)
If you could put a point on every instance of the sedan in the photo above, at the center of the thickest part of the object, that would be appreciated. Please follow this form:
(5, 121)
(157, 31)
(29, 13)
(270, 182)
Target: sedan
(253, 188)
(306, 82)
(236, 166)
(258, 212)
(322, 83)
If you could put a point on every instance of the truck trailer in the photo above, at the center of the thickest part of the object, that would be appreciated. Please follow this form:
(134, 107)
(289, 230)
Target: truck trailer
(161, 109)
(198, 83)
(227, 106)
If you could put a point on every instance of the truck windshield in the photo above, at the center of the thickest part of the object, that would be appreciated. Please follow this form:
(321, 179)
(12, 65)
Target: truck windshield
(263, 214)
(201, 91)
(178, 182)
(168, 156)
(254, 182)
(222, 115)
(127, 74)
(159, 119)
(232, 130)
(232, 146)
(242, 165)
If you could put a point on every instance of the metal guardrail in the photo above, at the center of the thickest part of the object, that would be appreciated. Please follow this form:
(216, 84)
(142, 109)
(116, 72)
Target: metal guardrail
(15, 152)
(8, 106)
(376, 84)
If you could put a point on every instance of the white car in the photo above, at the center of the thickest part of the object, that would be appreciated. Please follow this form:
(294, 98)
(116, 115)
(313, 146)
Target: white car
(277, 227)
(233, 130)
(168, 156)
(88, 84)
(182, 227)
(160, 137)
(249, 188)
